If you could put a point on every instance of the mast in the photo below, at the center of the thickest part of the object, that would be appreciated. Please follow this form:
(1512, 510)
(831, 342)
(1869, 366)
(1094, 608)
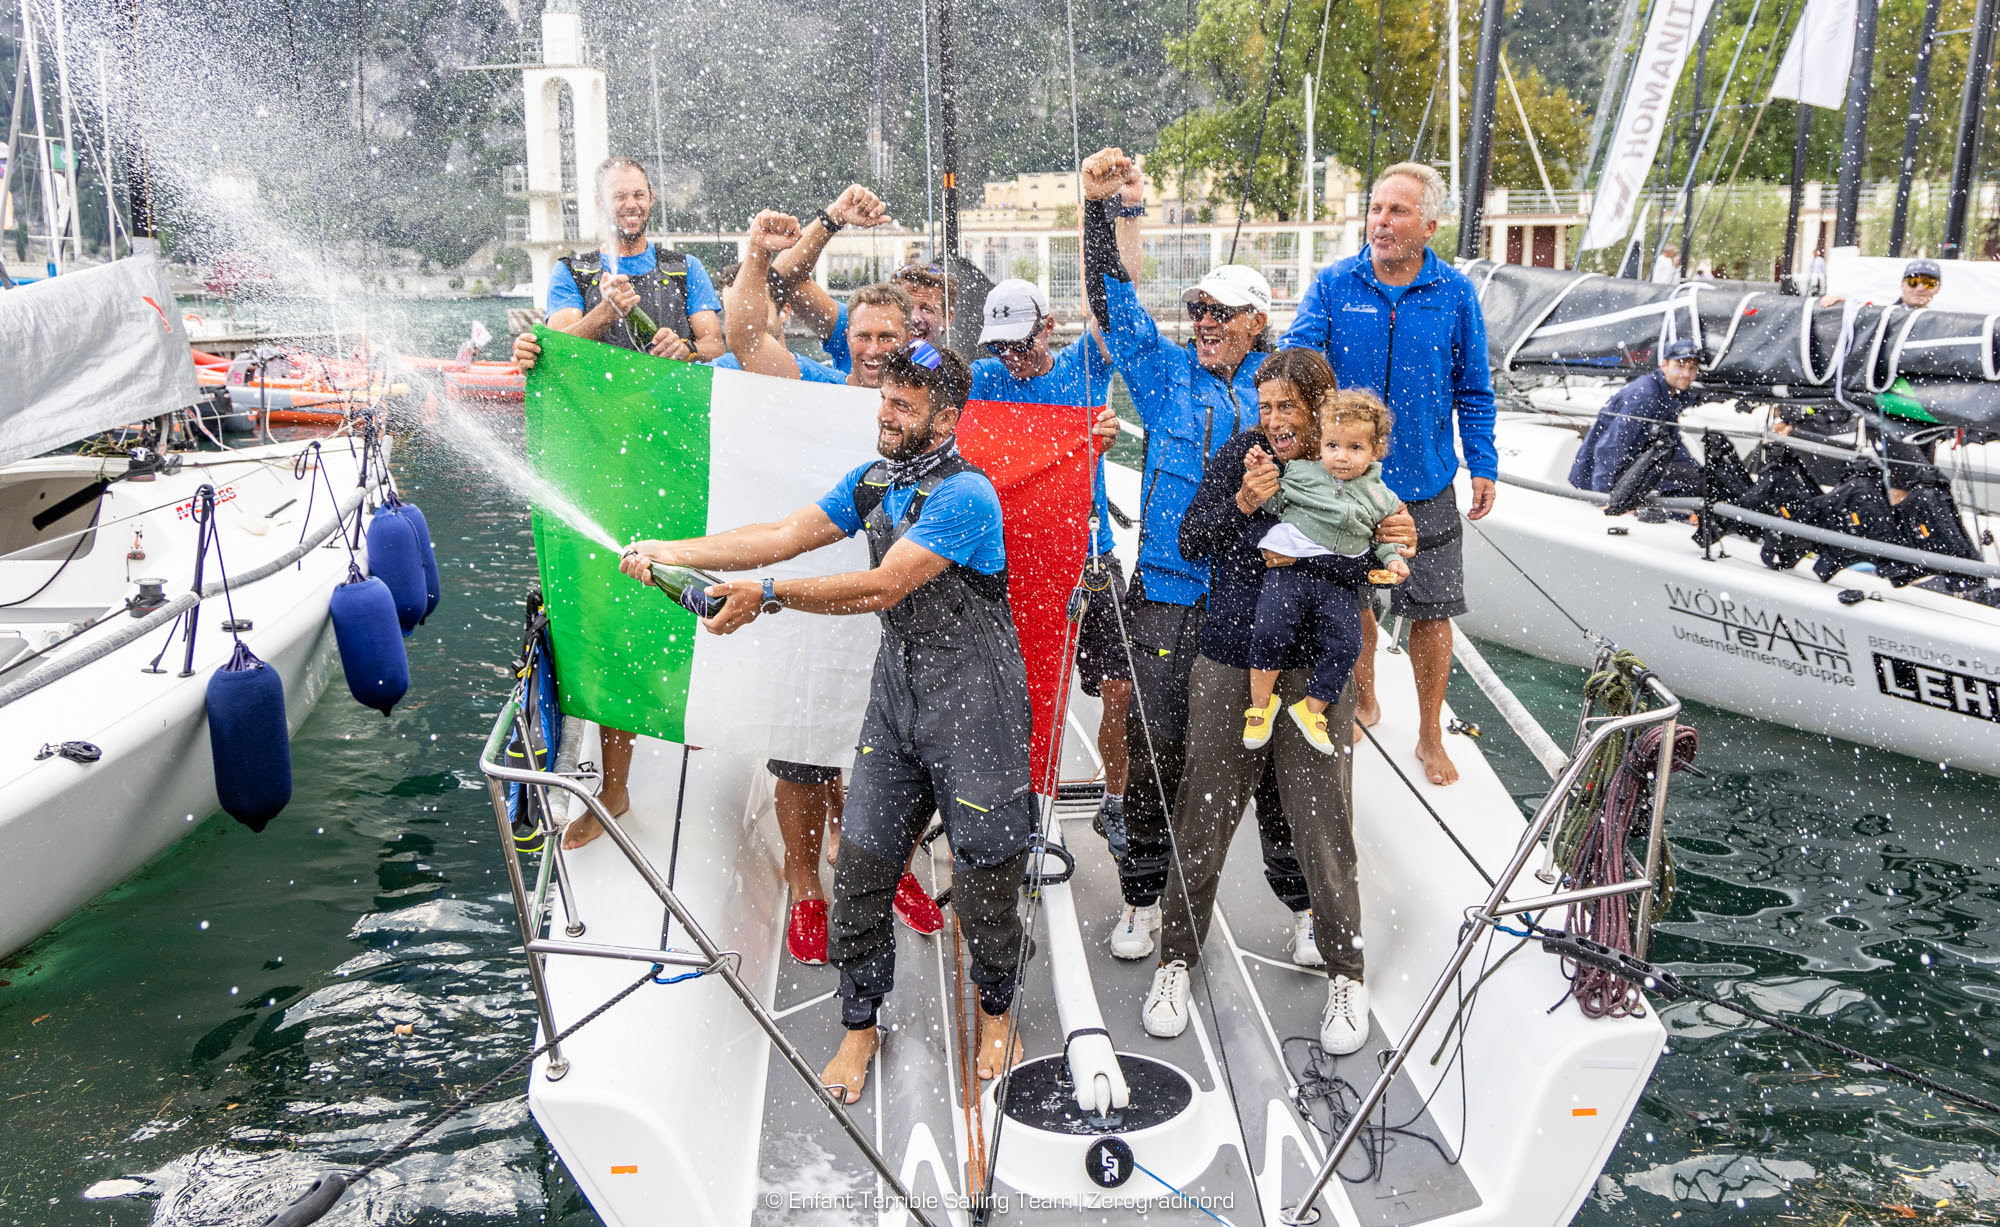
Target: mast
(1451, 89)
(948, 128)
(1854, 133)
(110, 200)
(14, 114)
(1694, 145)
(32, 52)
(1787, 284)
(1485, 87)
(1913, 127)
(144, 232)
(72, 220)
(1967, 153)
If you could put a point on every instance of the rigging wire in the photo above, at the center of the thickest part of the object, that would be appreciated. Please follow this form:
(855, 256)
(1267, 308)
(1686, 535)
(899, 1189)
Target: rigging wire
(1263, 117)
(1763, 71)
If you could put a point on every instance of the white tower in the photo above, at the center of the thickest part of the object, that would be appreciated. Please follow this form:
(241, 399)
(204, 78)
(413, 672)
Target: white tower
(557, 176)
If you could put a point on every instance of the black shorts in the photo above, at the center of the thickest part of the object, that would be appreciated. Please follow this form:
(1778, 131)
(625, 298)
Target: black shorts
(1436, 586)
(801, 773)
(1100, 649)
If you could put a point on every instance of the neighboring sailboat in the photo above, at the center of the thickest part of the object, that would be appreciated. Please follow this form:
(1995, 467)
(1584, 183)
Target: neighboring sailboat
(96, 551)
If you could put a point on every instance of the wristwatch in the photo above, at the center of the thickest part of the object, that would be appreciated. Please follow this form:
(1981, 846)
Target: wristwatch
(771, 603)
(832, 226)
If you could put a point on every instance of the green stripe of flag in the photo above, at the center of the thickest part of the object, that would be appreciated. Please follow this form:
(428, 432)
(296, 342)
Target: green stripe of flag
(625, 436)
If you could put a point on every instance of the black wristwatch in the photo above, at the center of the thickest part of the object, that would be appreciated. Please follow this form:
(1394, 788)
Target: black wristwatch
(771, 603)
(832, 226)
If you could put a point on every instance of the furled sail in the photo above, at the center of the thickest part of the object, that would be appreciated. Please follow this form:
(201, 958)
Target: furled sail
(88, 351)
(1943, 365)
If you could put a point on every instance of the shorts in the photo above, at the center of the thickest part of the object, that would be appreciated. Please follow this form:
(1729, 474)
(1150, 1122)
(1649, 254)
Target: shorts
(1436, 586)
(801, 773)
(1100, 649)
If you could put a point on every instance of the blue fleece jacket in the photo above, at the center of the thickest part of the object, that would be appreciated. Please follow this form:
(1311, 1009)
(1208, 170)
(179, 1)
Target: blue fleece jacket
(1189, 415)
(1425, 355)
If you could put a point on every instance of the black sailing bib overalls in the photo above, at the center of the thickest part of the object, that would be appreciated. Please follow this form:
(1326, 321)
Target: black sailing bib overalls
(946, 731)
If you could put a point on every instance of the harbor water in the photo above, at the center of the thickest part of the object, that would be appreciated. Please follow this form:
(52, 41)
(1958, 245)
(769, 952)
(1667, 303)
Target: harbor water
(253, 1009)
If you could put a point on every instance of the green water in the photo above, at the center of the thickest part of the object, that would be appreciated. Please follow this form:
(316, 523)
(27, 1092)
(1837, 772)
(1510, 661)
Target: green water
(203, 1040)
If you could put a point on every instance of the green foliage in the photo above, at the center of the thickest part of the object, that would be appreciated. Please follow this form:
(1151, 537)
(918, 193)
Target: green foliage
(1230, 53)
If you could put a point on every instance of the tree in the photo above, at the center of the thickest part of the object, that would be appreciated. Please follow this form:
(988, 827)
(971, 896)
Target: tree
(1230, 51)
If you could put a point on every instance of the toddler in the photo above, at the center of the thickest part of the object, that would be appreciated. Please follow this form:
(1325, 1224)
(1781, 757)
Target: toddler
(1329, 508)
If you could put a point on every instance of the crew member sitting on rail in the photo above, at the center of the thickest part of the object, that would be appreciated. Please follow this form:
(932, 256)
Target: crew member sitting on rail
(1629, 422)
(946, 730)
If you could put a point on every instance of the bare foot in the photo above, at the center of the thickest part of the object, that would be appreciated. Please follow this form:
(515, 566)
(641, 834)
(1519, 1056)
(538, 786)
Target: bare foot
(847, 1073)
(1437, 764)
(581, 832)
(992, 1043)
(1368, 714)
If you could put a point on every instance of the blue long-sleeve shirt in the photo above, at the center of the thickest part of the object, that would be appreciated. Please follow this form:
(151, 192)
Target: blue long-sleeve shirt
(1189, 414)
(1422, 349)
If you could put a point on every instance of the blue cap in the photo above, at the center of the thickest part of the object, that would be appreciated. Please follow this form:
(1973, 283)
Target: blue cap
(1923, 267)
(1676, 350)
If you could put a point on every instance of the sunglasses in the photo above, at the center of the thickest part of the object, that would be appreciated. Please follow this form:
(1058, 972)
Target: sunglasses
(1923, 281)
(924, 354)
(1000, 349)
(1215, 311)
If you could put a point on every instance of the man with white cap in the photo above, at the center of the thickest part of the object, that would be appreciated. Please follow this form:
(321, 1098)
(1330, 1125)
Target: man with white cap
(1192, 400)
(1075, 386)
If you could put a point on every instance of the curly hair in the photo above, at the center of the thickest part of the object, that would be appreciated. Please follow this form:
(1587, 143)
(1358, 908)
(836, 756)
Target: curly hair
(1356, 406)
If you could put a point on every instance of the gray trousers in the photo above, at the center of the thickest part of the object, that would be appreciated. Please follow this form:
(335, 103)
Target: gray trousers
(1318, 792)
(1165, 640)
(861, 934)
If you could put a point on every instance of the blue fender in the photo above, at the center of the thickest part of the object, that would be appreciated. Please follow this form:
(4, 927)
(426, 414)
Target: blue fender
(432, 589)
(371, 642)
(248, 737)
(396, 558)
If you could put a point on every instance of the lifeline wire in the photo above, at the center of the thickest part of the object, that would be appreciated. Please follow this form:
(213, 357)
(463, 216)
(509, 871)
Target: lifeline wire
(1672, 987)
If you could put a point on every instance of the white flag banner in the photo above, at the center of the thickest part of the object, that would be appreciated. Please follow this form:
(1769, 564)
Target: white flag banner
(1820, 57)
(1642, 121)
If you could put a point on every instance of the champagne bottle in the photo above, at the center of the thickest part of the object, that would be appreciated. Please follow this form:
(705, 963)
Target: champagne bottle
(637, 321)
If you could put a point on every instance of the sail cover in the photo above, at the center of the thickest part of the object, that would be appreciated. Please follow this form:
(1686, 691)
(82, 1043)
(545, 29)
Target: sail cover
(88, 351)
(1931, 365)
(649, 448)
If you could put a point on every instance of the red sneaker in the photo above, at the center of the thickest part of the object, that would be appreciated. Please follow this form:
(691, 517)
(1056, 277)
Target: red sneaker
(915, 908)
(805, 937)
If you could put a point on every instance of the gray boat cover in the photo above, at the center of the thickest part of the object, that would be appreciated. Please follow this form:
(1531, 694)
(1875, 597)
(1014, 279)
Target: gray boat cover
(88, 351)
(1928, 365)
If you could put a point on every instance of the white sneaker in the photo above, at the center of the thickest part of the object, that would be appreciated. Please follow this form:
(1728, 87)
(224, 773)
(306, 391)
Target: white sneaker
(1166, 1010)
(1133, 936)
(1305, 949)
(1343, 1028)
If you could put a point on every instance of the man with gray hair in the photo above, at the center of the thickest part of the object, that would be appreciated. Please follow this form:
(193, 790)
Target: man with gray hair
(1396, 320)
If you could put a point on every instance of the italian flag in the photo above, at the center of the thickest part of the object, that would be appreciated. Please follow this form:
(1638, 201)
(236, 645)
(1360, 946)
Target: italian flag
(1042, 461)
(650, 448)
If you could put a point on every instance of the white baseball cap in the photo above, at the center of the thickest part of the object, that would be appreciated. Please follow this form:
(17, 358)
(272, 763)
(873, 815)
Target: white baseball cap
(1014, 309)
(1233, 285)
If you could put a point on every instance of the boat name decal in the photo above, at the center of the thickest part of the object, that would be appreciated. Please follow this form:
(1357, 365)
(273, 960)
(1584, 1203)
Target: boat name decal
(183, 510)
(1944, 689)
(1787, 641)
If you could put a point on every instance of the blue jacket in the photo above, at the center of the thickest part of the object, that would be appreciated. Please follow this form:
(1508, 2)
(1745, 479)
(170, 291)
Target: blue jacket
(1424, 354)
(1623, 429)
(1189, 415)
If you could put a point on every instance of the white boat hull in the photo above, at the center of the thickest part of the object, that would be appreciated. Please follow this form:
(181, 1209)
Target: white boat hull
(1908, 670)
(675, 1098)
(74, 830)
